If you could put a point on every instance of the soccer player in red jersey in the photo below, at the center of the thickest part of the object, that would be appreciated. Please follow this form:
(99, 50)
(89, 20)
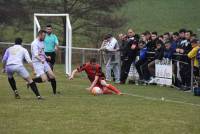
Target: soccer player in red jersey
(96, 77)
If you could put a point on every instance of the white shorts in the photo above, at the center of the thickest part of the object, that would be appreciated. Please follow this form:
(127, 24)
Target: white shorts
(40, 68)
(19, 69)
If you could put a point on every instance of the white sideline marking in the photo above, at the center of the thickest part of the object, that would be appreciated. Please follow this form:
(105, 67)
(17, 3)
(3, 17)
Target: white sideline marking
(160, 99)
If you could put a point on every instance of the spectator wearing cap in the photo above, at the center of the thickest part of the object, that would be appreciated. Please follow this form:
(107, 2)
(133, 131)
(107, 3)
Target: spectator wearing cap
(110, 46)
(129, 57)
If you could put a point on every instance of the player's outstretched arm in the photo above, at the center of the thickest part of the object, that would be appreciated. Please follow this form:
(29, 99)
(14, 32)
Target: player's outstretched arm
(73, 73)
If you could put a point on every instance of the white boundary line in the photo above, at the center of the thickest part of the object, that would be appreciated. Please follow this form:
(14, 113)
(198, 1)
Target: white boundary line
(162, 99)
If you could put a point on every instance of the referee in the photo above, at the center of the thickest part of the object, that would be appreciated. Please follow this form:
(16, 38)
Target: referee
(50, 46)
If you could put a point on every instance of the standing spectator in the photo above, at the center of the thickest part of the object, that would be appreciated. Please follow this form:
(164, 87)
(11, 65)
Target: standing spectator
(151, 45)
(129, 56)
(148, 36)
(166, 37)
(183, 48)
(143, 38)
(182, 33)
(131, 34)
(50, 45)
(175, 40)
(110, 46)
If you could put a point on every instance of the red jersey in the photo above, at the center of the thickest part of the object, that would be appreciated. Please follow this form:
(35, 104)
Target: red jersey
(92, 70)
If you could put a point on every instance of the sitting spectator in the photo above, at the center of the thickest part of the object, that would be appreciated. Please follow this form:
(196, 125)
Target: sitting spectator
(159, 53)
(142, 62)
(168, 51)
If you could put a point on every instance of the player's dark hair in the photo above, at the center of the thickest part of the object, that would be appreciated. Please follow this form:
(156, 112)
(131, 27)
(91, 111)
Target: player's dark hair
(147, 32)
(18, 41)
(141, 42)
(41, 32)
(167, 33)
(93, 60)
(176, 34)
(49, 25)
(183, 30)
(107, 36)
(159, 42)
(168, 42)
(189, 31)
(155, 33)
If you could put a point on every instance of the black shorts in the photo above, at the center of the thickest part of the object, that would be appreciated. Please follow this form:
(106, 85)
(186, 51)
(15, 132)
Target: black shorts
(53, 57)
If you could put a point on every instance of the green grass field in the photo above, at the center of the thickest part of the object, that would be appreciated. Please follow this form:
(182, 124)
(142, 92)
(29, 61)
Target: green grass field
(161, 15)
(77, 112)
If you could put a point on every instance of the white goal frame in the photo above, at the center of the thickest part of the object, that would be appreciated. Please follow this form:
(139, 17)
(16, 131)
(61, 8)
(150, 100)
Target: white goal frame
(68, 48)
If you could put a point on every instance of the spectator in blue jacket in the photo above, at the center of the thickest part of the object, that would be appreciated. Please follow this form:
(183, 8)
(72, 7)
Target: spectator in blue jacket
(142, 62)
(168, 51)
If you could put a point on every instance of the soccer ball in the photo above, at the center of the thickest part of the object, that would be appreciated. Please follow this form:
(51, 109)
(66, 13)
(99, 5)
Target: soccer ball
(96, 91)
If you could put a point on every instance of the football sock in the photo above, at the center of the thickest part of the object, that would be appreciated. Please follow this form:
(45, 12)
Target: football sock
(53, 84)
(114, 89)
(38, 80)
(107, 92)
(12, 83)
(34, 88)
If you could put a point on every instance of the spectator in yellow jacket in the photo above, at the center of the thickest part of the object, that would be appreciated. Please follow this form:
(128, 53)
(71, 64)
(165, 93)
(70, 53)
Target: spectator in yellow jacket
(193, 54)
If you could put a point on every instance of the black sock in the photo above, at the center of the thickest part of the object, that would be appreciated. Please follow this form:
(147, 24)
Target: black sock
(34, 88)
(38, 80)
(53, 84)
(12, 83)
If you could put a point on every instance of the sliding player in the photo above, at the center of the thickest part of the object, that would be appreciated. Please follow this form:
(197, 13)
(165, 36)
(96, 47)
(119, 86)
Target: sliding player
(96, 77)
(42, 68)
(13, 63)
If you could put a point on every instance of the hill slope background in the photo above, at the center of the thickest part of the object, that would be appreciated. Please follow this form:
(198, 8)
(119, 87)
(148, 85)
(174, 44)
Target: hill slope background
(153, 15)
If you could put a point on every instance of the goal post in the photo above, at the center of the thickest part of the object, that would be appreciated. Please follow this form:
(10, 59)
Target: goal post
(68, 45)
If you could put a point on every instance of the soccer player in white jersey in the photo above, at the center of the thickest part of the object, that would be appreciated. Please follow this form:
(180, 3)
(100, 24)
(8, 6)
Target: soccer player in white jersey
(42, 68)
(13, 63)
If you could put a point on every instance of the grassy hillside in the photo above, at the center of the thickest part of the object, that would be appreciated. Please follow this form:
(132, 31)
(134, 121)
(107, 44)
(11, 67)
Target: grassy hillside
(162, 15)
(153, 15)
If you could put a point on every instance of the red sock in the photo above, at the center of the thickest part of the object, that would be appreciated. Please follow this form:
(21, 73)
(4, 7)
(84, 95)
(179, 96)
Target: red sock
(106, 91)
(114, 89)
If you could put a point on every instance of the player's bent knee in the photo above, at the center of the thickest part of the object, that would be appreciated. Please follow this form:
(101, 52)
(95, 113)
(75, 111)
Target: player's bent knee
(103, 83)
(28, 79)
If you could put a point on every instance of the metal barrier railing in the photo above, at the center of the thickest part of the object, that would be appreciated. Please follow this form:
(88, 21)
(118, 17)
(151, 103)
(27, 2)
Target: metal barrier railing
(81, 55)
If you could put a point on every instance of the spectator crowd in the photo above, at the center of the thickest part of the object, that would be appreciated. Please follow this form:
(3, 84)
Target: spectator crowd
(142, 50)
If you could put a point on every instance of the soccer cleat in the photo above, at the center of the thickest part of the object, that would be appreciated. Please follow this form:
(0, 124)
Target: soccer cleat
(17, 95)
(40, 98)
(120, 93)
